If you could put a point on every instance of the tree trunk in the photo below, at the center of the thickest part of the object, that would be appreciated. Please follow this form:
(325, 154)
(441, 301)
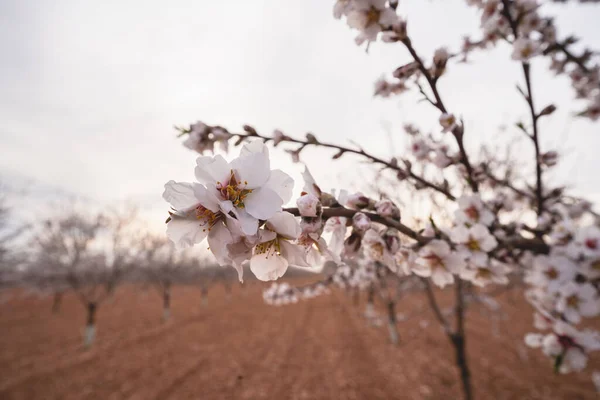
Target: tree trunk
(370, 309)
(204, 293)
(393, 328)
(56, 302)
(459, 341)
(356, 297)
(166, 303)
(90, 328)
(461, 360)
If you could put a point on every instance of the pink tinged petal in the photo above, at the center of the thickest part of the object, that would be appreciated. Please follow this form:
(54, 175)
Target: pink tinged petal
(285, 224)
(262, 203)
(186, 232)
(294, 254)
(441, 278)
(218, 239)
(180, 195)
(268, 266)
(421, 268)
(589, 309)
(534, 340)
(226, 206)
(212, 169)
(388, 17)
(206, 198)
(253, 169)
(254, 146)
(266, 236)
(460, 234)
(282, 184)
(248, 223)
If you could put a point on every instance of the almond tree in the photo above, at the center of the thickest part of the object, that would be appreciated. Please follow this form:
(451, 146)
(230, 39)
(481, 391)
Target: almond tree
(490, 219)
(86, 254)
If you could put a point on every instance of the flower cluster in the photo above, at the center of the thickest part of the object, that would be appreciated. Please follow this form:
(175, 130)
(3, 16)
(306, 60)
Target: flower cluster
(564, 291)
(237, 207)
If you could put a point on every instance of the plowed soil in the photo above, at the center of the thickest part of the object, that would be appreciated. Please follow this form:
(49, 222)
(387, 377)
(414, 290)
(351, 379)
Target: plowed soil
(240, 348)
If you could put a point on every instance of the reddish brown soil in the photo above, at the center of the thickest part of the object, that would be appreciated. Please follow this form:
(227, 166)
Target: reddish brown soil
(243, 349)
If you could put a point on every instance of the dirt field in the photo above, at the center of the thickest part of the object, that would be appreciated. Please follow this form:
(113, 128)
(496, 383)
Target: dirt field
(243, 349)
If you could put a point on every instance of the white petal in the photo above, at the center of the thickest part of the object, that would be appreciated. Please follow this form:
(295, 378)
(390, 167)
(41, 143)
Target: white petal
(212, 169)
(459, 234)
(263, 203)
(253, 169)
(254, 146)
(441, 278)
(185, 232)
(285, 224)
(268, 266)
(294, 254)
(282, 184)
(180, 195)
(218, 239)
(206, 198)
(248, 223)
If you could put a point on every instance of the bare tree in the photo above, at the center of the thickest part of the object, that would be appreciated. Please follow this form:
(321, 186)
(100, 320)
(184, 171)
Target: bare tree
(89, 255)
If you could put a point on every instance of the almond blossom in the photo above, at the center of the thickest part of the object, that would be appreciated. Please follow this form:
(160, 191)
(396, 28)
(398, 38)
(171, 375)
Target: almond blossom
(551, 272)
(368, 16)
(578, 300)
(195, 213)
(438, 261)
(471, 210)
(473, 240)
(246, 187)
(275, 251)
(567, 346)
(524, 49)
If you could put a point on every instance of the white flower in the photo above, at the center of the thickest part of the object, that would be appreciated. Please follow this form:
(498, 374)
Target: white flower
(441, 158)
(246, 187)
(474, 240)
(472, 211)
(588, 240)
(524, 49)
(551, 272)
(342, 7)
(448, 122)
(438, 261)
(377, 249)
(368, 16)
(420, 149)
(577, 300)
(307, 205)
(196, 212)
(274, 251)
(482, 271)
(337, 227)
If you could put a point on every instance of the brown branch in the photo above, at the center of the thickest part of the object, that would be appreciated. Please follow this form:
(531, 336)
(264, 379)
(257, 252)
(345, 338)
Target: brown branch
(439, 104)
(436, 308)
(534, 115)
(360, 152)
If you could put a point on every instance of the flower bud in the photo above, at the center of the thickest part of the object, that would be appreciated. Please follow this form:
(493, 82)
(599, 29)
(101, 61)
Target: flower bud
(386, 208)
(307, 205)
(549, 158)
(358, 201)
(548, 110)
(361, 222)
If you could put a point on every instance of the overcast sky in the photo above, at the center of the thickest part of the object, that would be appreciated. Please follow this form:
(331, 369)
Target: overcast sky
(90, 90)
